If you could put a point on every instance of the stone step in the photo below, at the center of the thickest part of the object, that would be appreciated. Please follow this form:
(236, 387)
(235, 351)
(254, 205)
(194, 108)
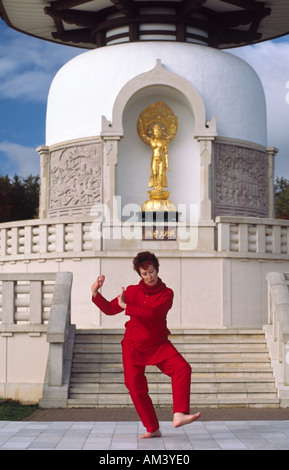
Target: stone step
(90, 348)
(238, 377)
(112, 401)
(106, 364)
(100, 338)
(190, 357)
(229, 367)
(209, 388)
(202, 336)
(218, 332)
(206, 394)
(157, 377)
(180, 338)
(201, 368)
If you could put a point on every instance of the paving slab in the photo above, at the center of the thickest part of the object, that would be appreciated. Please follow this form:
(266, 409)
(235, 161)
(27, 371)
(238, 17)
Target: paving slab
(113, 438)
(111, 431)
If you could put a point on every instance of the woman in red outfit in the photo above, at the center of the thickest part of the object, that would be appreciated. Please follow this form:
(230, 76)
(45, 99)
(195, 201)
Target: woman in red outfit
(146, 342)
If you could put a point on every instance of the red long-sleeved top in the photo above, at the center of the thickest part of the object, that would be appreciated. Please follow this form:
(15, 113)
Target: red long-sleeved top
(146, 332)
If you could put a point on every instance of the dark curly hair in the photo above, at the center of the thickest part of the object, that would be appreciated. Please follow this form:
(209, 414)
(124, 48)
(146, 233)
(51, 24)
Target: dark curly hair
(144, 259)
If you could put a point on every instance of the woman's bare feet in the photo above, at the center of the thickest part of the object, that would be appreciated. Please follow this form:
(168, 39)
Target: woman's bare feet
(180, 419)
(149, 435)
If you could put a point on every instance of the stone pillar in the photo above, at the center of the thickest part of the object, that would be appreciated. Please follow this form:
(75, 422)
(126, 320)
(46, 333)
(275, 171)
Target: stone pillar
(44, 181)
(271, 152)
(206, 177)
(110, 152)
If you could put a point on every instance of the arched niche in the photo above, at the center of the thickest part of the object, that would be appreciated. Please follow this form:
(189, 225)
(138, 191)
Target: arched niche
(134, 157)
(189, 183)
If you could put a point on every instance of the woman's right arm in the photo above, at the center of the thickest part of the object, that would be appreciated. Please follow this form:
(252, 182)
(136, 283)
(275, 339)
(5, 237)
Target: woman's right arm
(109, 308)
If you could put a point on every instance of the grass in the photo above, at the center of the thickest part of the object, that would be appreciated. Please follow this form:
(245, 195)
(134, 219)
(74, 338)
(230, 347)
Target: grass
(11, 410)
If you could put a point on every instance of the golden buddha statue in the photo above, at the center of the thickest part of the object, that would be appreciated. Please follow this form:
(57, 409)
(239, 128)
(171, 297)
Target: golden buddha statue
(157, 126)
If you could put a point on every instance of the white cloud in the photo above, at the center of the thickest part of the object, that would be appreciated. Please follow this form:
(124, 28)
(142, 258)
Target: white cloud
(28, 65)
(32, 85)
(25, 160)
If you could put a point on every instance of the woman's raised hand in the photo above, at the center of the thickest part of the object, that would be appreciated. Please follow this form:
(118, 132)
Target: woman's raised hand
(121, 299)
(97, 285)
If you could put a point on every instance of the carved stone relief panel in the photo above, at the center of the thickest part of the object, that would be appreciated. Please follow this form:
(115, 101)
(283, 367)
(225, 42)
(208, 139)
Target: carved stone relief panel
(240, 181)
(75, 182)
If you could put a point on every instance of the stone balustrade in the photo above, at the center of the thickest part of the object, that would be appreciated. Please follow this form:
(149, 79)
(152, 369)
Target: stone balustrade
(253, 236)
(60, 336)
(277, 331)
(35, 310)
(81, 236)
(34, 238)
(25, 301)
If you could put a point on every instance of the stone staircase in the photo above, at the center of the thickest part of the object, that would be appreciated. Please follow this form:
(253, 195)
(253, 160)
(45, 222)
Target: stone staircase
(229, 368)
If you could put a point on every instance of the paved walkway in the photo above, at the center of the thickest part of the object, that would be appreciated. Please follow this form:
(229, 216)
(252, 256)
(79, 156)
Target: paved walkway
(120, 436)
(110, 436)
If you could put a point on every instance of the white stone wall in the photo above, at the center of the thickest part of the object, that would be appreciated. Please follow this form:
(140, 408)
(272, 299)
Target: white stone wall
(215, 286)
(23, 360)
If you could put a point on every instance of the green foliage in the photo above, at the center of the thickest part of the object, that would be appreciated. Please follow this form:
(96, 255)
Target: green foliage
(19, 198)
(282, 198)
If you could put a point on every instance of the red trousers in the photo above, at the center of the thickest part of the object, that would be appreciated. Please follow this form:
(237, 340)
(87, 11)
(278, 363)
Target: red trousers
(175, 367)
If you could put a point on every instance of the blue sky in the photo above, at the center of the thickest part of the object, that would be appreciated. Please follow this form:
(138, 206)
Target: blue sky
(28, 65)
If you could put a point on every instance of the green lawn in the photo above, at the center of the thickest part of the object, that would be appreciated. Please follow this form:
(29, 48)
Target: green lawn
(14, 411)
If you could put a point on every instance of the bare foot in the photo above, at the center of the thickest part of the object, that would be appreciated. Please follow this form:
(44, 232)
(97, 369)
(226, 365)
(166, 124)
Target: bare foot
(180, 419)
(149, 435)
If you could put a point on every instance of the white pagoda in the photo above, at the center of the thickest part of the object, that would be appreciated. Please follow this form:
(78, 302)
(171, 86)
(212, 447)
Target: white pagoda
(95, 169)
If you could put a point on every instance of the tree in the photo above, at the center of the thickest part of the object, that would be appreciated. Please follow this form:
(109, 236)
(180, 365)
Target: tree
(19, 198)
(282, 198)
(32, 188)
(6, 200)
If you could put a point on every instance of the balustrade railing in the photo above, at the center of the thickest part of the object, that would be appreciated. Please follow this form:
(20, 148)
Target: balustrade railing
(25, 301)
(38, 303)
(59, 333)
(253, 235)
(36, 237)
(278, 329)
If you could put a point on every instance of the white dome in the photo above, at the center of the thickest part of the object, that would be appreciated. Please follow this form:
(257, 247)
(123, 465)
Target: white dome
(85, 89)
